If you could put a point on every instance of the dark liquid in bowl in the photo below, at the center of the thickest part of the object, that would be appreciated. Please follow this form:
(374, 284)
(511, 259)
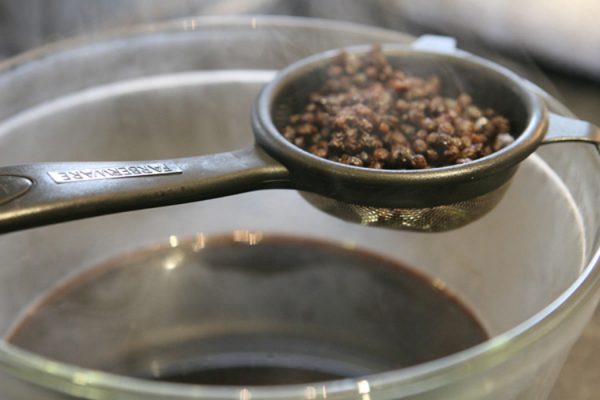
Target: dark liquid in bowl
(247, 310)
(255, 376)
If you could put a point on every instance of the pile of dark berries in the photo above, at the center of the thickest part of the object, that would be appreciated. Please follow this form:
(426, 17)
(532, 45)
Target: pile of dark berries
(369, 114)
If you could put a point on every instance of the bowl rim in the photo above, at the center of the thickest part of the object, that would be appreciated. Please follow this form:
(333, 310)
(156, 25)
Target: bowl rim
(75, 381)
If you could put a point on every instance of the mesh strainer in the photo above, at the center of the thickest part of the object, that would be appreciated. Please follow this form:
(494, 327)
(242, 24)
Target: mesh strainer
(425, 219)
(424, 200)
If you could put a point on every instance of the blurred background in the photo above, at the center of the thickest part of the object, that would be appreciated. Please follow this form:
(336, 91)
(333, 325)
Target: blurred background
(554, 43)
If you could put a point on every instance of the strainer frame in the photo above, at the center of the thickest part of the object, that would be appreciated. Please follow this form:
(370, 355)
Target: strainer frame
(399, 188)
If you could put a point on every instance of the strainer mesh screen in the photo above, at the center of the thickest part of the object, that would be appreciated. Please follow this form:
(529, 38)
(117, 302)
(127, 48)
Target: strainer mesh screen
(431, 219)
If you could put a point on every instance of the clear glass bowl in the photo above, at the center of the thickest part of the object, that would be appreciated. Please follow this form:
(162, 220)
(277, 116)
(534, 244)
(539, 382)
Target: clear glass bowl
(529, 269)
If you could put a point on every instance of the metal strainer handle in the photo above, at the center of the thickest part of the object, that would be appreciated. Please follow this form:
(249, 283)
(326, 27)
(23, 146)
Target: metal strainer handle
(565, 129)
(40, 194)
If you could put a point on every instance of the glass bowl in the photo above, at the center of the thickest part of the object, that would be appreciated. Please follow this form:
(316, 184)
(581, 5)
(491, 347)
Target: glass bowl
(528, 270)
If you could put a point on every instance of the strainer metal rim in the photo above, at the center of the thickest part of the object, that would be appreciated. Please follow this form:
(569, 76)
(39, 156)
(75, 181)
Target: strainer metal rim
(526, 143)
